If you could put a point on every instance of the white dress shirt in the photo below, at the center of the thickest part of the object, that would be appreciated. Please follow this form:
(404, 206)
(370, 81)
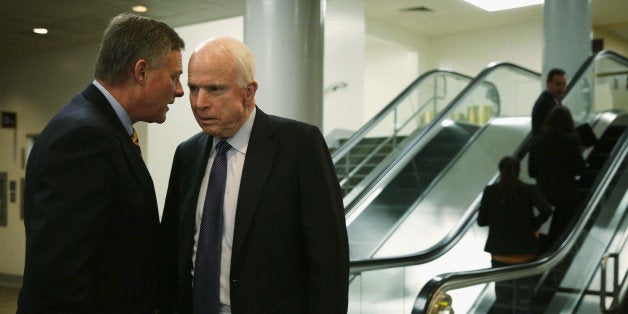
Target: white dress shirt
(117, 107)
(235, 163)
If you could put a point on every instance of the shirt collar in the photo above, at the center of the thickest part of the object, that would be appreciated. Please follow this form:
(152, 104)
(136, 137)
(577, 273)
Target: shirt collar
(117, 107)
(240, 140)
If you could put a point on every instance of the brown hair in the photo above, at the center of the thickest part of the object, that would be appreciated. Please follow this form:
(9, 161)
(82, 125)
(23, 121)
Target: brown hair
(129, 38)
(559, 121)
(509, 168)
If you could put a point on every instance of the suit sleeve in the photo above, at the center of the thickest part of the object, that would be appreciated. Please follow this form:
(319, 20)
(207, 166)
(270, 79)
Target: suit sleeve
(540, 111)
(324, 227)
(543, 206)
(168, 277)
(531, 160)
(576, 160)
(72, 194)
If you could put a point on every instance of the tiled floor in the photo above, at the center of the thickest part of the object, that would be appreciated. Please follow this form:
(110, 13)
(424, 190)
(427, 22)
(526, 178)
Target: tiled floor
(8, 297)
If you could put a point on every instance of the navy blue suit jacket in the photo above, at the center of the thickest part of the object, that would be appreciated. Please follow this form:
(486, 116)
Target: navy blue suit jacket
(541, 110)
(91, 216)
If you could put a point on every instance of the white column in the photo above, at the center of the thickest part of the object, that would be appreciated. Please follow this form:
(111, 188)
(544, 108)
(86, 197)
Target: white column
(286, 37)
(567, 35)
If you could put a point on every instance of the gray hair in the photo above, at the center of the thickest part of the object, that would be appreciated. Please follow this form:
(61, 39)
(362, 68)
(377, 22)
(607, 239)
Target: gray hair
(233, 50)
(129, 38)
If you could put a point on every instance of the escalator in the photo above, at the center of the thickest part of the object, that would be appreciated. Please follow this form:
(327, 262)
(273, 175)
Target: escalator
(563, 277)
(359, 158)
(465, 138)
(441, 224)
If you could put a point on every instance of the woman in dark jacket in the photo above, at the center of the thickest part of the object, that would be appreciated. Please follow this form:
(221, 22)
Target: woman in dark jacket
(507, 208)
(555, 161)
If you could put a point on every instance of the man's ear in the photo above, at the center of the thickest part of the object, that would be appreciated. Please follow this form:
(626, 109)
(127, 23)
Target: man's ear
(250, 90)
(139, 70)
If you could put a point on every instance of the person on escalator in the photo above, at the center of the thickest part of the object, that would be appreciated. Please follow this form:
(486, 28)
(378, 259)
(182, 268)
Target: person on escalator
(507, 208)
(555, 161)
(556, 87)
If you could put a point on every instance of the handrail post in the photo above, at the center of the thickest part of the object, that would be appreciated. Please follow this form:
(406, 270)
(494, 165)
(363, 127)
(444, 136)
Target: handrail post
(395, 127)
(615, 292)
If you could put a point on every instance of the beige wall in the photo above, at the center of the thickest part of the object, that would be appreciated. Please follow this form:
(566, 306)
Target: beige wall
(611, 42)
(470, 52)
(34, 87)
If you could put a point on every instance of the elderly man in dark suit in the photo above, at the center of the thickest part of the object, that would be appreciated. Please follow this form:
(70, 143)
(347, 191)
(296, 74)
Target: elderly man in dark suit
(274, 239)
(92, 224)
(556, 87)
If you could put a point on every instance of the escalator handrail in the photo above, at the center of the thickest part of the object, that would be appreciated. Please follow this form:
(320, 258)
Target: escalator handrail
(338, 154)
(387, 174)
(592, 60)
(587, 65)
(456, 280)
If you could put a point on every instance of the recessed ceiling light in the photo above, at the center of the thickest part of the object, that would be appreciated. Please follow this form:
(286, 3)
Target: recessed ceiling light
(40, 30)
(139, 8)
(498, 5)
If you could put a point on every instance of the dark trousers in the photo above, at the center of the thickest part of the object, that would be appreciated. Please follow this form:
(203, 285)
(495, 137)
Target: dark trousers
(564, 213)
(513, 296)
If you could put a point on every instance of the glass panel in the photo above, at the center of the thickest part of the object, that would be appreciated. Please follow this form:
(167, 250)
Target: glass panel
(396, 288)
(432, 213)
(562, 289)
(407, 115)
(602, 87)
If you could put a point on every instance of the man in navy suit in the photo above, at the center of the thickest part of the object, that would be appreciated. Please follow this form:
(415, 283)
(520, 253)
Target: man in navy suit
(556, 87)
(92, 224)
(284, 245)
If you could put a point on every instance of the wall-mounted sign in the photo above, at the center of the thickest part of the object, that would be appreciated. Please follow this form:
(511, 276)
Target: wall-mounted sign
(9, 119)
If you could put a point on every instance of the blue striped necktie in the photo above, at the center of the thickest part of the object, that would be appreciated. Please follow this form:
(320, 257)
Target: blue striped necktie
(208, 250)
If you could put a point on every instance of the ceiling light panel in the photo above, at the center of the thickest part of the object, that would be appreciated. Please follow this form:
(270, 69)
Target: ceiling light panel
(499, 5)
(139, 8)
(40, 30)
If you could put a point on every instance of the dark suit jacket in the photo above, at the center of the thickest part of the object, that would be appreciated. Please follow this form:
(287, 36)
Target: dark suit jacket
(542, 107)
(91, 216)
(554, 161)
(512, 226)
(290, 248)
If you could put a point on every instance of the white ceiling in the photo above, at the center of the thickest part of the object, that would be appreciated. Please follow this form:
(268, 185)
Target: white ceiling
(73, 22)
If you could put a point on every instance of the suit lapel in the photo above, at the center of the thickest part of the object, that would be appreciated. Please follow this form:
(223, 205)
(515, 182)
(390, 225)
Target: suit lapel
(258, 163)
(130, 152)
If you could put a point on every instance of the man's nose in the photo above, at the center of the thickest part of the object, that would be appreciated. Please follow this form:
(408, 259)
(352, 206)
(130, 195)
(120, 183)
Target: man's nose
(178, 91)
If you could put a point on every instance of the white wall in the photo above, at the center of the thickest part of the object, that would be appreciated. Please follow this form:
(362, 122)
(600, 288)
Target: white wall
(343, 74)
(470, 52)
(180, 123)
(389, 69)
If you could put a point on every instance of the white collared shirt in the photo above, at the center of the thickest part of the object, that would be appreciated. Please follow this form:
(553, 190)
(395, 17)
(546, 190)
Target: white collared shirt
(117, 107)
(235, 163)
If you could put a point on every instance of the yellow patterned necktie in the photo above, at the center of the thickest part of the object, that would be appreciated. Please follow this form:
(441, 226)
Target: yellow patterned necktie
(136, 141)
